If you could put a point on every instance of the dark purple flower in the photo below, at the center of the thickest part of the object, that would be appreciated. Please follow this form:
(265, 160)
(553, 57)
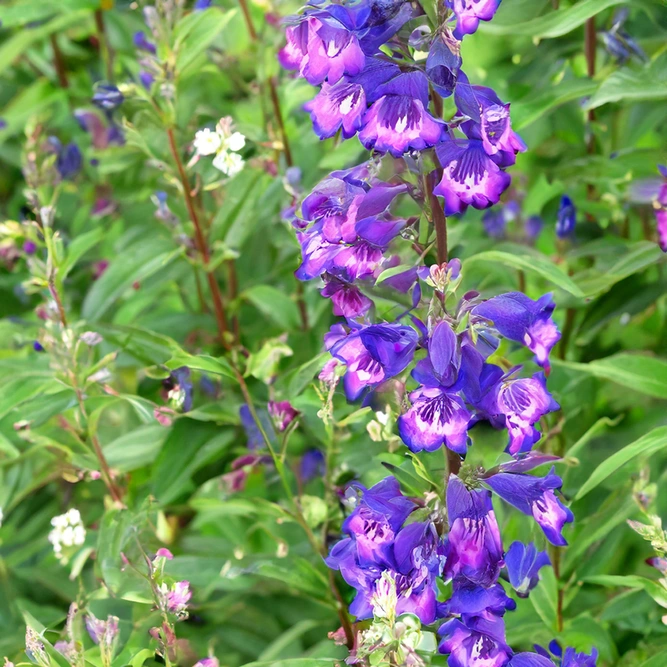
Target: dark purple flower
(477, 641)
(567, 218)
(474, 549)
(519, 318)
(535, 497)
(141, 42)
(68, 161)
(523, 564)
(107, 97)
(313, 464)
(470, 599)
(468, 15)
(519, 403)
(470, 177)
(37, 346)
(179, 387)
(373, 354)
(199, 6)
(255, 437)
(29, 247)
(398, 120)
(494, 223)
(340, 105)
(283, 414)
(573, 659)
(347, 299)
(101, 135)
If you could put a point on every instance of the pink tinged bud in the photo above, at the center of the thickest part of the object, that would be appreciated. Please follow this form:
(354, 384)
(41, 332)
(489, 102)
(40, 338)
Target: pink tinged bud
(208, 662)
(95, 475)
(176, 600)
(162, 416)
(328, 373)
(164, 553)
(283, 414)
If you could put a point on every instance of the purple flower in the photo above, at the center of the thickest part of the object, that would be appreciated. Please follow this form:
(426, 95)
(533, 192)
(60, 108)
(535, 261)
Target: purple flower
(477, 641)
(373, 354)
(341, 105)
(567, 218)
(179, 387)
(283, 414)
(68, 158)
(29, 247)
(313, 465)
(519, 318)
(199, 6)
(535, 497)
(378, 549)
(470, 599)
(470, 177)
(142, 43)
(573, 659)
(255, 437)
(529, 660)
(494, 224)
(348, 301)
(660, 206)
(322, 50)
(212, 661)
(474, 549)
(146, 79)
(107, 97)
(101, 135)
(177, 597)
(443, 63)
(533, 226)
(397, 120)
(435, 417)
(489, 121)
(37, 346)
(519, 403)
(468, 15)
(523, 564)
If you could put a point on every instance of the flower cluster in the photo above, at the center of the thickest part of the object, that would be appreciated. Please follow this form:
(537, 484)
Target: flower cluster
(385, 83)
(222, 142)
(68, 531)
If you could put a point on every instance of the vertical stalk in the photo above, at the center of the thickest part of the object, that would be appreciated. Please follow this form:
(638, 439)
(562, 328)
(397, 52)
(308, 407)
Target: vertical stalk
(437, 218)
(200, 241)
(589, 50)
(59, 62)
(275, 101)
(105, 48)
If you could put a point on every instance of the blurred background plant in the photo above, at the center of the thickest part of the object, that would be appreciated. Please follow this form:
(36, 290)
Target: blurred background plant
(170, 465)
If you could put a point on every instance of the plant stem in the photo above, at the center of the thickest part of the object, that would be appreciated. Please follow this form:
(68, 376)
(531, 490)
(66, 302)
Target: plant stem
(590, 43)
(567, 332)
(437, 218)
(105, 48)
(275, 101)
(555, 559)
(248, 20)
(200, 241)
(59, 62)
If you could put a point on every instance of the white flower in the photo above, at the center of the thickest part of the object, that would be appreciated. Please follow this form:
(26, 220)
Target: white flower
(228, 163)
(235, 142)
(68, 531)
(207, 142)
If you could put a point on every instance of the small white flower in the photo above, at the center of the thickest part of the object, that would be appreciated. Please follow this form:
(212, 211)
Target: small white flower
(235, 142)
(228, 163)
(68, 531)
(207, 142)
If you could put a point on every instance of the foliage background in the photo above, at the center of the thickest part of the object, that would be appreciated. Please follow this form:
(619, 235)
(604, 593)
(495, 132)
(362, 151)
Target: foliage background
(260, 594)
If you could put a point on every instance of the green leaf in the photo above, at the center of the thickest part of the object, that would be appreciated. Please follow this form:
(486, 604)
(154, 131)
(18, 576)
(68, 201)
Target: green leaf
(632, 85)
(145, 346)
(297, 662)
(554, 23)
(534, 106)
(133, 265)
(202, 362)
(22, 40)
(642, 373)
(653, 588)
(78, 248)
(545, 597)
(135, 449)
(658, 660)
(599, 427)
(30, 11)
(531, 263)
(647, 445)
(275, 305)
(292, 635)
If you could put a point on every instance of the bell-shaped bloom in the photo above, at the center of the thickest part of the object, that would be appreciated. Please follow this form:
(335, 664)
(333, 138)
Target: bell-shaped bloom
(347, 299)
(520, 403)
(373, 354)
(489, 121)
(477, 641)
(535, 497)
(68, 161)
(523, 564)
(141, 42)
(474, 548)
(321, 48)
(107, 97)
(398, 121)
(660, 206)
(566, 220)
(342, 105)
(471, 599)
(470, 177)
(443, 64)
(468, 15)
(517, 317)
(573, 659)
(434, 418)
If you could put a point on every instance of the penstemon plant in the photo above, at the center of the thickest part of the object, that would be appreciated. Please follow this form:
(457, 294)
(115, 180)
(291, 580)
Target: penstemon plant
(333, 334)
